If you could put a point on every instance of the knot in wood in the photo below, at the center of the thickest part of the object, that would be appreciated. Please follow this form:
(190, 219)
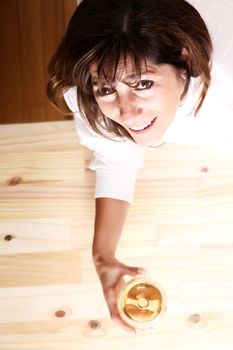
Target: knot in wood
(94, 324)
(204, 169)
(195, 318)
(15, 181)
(8, 237)
(60, 313)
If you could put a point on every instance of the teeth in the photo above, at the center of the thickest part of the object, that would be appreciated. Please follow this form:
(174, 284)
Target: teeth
(141, 127)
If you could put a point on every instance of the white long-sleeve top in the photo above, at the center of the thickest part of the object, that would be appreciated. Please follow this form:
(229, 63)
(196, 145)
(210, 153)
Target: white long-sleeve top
(117, 161)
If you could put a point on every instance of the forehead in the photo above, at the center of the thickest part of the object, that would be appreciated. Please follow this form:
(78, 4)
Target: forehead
(124, 70)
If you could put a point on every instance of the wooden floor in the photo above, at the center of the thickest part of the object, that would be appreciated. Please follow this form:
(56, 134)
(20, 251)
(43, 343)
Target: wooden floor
(180, 227)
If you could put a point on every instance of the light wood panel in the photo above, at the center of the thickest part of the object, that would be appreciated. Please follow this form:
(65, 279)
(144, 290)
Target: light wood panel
(179, 227)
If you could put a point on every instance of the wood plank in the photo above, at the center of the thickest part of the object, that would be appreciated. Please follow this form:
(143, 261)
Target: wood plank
(31, 54)
(38, 235)
(41, 137)
(11, 78)
(34, 112)
(69, 8)
(53, 24)
(38, 269)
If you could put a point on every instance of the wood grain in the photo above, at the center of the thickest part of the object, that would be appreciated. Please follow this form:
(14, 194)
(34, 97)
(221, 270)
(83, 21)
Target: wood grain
(30, 33)
(11, 83)
(179, 227)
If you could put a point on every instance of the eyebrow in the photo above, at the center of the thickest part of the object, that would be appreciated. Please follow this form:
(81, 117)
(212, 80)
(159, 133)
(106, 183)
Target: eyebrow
(128, 77)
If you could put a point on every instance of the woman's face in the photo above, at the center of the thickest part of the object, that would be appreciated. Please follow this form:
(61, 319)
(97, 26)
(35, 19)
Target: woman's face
(144, 111)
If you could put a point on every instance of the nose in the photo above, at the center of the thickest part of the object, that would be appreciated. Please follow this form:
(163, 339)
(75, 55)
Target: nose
(129, 108)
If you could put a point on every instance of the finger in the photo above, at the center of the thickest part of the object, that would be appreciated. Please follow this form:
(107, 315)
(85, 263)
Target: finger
(116, 318)
(111, 301)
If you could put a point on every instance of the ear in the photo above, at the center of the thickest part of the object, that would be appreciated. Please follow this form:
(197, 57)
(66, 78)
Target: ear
(185, 55)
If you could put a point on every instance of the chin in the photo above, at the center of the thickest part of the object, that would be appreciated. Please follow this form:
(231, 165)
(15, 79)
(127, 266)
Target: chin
(144, 143)
(150, 142)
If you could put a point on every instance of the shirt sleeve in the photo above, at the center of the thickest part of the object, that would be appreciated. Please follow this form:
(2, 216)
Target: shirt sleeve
(115, 161)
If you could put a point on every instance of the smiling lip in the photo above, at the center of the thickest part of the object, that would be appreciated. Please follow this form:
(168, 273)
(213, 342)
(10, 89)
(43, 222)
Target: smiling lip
(145, 129)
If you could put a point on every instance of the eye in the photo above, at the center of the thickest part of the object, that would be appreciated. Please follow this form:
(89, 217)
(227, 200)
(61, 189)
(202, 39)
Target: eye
(145, 85)
(104, 91)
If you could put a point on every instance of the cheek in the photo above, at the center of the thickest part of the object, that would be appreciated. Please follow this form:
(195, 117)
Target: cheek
(106, 108)
(169, 102)
(99, 104)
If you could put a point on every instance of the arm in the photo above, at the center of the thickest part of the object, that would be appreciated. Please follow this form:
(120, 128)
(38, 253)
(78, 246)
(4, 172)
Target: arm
(109, 220)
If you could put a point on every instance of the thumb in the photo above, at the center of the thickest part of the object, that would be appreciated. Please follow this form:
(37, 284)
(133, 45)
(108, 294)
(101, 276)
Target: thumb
(133, 271)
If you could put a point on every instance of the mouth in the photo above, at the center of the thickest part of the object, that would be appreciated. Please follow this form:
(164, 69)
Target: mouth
(144, 128)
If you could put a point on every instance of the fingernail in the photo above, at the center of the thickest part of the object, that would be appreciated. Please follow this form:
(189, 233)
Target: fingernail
(131, 330)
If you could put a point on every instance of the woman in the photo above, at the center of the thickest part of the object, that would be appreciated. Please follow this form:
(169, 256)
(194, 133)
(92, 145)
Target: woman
(135, 74)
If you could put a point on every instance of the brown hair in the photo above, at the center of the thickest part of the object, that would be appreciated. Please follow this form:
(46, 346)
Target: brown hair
(107, 31)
